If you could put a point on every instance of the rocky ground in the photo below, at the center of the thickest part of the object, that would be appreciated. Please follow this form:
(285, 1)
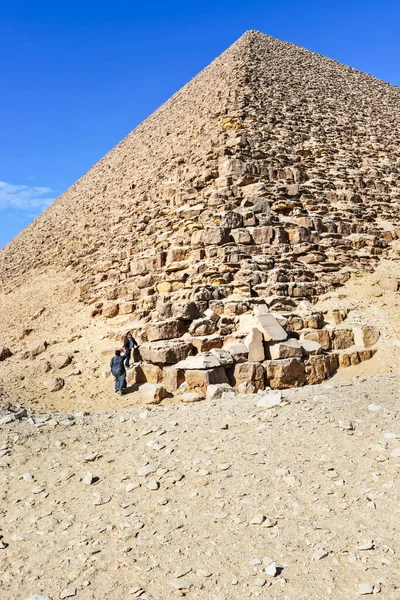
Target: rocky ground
(222, 500)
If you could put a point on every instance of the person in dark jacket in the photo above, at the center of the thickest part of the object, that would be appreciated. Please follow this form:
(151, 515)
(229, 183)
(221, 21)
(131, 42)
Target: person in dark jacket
(129, 345)
(118, 371)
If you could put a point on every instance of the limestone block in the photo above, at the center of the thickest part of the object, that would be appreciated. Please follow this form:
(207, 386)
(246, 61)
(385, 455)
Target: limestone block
(151, 373)
(366, 354)
(126, 308)
(231, 220)
(342, 338)
(237, 350)
(211, 315)
(287, 373)
(190, 397)
(212, 236)
(253, 204)
(110, 310)
(313, 320)
(166, 351)
(202, 378)
(218, 390)
(290, 349)
(318, 368)
(152, 393)
(294, 323)
(249, 372)
(255, 189)
(207, 343)
(202, 327)
(177, 254)
(241, 236)
(163, 330)
(299, 235)
(186, 310)
(245, 388)
(255, 345)
(235, 307)
(366, 336)
(147, 264)
(266, 323)
(336, 316)
(317, 335)
(225, 358)
(348, 358)
(200, 361)
(231, 166)
(173, 378)
(262, 235)
(311, 347)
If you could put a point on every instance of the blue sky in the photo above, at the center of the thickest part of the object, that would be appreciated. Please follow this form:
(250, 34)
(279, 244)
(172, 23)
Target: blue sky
(77, 76)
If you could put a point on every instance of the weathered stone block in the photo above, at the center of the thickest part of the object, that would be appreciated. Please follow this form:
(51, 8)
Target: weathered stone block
(366, 336)
(207, 343)
(287, 373)
(201, 379)
(224, 357)
(110, 310)
(241, 236)
(262, 235)
(151, 373)
(185, 310)
(318, 368)
(311, 347)
(173, 378)
(237, 350)
(231, 220)
(202, 327)
(336, 315)
(255, 344)
(199, 361)
(317, 335)
(290, 349)
(126, 308)
(164, 330)
(342, 338)
(249, 372)
(165, 351)
(218, 390)
(152, 393)
(266, 323)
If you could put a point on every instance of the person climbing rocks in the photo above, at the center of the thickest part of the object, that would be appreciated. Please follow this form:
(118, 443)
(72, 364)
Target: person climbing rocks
(129, 345)
(118, 371)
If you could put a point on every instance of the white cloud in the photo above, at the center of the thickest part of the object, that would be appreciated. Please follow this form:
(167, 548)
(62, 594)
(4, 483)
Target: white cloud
(24, 197)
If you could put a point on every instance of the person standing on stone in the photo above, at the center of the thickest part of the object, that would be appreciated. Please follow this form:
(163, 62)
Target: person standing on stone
(118, 371)
(129, 345)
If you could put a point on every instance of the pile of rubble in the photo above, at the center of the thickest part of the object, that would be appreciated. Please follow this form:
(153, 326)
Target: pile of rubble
(240, 347)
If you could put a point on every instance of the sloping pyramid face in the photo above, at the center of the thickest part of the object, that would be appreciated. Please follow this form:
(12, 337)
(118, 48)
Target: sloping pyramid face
(268, 179)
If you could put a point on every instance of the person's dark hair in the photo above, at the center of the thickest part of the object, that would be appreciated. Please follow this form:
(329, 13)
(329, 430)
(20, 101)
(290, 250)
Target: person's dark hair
(129, 333)
(118, 353)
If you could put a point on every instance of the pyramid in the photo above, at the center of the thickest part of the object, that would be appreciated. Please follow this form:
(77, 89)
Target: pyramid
(265, 182)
